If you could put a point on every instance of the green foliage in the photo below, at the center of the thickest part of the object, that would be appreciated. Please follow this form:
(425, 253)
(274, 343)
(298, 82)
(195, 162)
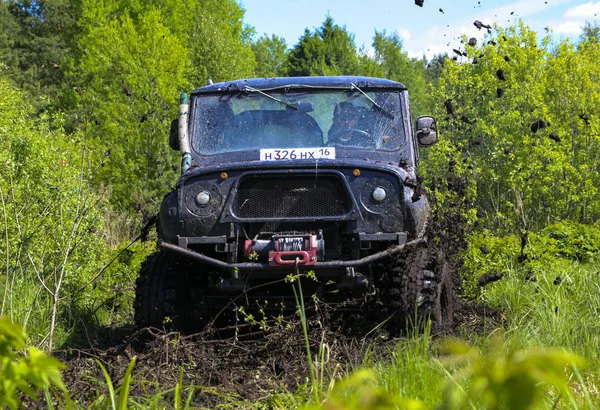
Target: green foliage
(271, 55)
(218, 42)
(133, 59)
(329, 50)
(591, 33)
(134, 69)
(49, 218)
(107, 297)
(517, 379)
(520, 139)
(22, 373)
(361, 390)
(396, 65)
(433, 70)
(571, 241)
(558, 245)
(35, 38)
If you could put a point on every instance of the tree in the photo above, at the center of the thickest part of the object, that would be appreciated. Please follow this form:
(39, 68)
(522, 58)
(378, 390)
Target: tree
(433, 68)
(130, 71)
(591, 33)
(213, 32)
(35, 38)
(329, 50)
(271, 55)
(397, 66)
(132, 61)
(50, 217)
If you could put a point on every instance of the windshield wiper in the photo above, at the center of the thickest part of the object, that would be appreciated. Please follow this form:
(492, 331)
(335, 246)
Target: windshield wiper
(386, 112)
(254, 90)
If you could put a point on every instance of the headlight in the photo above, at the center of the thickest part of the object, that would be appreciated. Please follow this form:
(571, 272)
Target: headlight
(203, 198)
(379, 194)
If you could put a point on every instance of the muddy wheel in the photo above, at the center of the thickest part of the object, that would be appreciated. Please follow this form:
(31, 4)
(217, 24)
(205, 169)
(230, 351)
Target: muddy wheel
(419, 287)
(410, 290)
(166, 292)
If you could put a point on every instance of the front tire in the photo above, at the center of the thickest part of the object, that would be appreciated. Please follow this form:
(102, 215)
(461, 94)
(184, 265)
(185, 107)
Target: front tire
(419, 287)
(162, 297)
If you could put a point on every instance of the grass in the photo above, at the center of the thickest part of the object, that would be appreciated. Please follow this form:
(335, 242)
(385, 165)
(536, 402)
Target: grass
(551, 312)
(406, 368)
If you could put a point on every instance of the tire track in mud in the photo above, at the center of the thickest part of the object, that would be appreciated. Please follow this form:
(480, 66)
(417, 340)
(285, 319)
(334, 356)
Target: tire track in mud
(244, 363)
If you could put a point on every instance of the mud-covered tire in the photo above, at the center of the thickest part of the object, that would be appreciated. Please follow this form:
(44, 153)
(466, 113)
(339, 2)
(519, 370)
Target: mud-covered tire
(163, 297)
(409, 296)
(419, 287)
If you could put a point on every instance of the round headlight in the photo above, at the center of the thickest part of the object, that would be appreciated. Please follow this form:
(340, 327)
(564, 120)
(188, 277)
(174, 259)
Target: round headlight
(379, 194)
(203, 198)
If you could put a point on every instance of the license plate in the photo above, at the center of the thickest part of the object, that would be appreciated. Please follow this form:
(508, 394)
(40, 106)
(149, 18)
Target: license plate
(294, 154)
(290, 244)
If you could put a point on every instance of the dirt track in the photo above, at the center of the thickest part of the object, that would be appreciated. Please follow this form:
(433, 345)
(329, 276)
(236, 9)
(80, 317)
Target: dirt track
(243, 364)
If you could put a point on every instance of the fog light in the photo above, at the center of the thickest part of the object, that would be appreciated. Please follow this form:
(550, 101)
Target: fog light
(203, 198)
(379, 194)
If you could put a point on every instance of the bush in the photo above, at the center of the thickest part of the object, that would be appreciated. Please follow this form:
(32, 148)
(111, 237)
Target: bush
(50, 217)
(557, 245)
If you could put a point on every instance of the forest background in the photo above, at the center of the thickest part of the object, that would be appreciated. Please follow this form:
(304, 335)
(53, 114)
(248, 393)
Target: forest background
(88, 90)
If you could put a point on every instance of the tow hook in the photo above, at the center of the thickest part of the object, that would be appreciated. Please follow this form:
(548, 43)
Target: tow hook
(354, 281)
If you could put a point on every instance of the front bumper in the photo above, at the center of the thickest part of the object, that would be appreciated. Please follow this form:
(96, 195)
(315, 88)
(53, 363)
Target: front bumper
(389, 252)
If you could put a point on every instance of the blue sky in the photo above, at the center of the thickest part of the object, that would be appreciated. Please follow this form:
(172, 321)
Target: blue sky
(424, 30)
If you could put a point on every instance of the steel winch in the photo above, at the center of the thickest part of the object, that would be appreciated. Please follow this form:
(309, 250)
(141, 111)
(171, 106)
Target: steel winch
(287, 249)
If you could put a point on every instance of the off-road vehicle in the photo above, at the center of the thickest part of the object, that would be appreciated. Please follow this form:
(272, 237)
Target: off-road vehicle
(285, 175)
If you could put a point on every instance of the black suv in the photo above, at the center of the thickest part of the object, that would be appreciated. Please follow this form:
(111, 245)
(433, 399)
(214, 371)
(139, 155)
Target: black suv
(284, 175)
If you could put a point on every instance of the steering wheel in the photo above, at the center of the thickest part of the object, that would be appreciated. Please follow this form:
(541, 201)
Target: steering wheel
(351, 136)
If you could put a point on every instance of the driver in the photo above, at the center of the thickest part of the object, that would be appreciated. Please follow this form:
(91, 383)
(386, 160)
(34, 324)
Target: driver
(346, 118)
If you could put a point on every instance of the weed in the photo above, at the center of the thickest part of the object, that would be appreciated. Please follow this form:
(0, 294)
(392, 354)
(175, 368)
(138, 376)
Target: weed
(22, 373)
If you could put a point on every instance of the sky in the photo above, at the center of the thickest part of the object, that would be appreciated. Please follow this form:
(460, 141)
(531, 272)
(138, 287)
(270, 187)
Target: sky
(429, 30)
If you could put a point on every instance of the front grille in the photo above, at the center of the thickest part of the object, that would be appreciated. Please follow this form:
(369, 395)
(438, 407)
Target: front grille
(291, 196)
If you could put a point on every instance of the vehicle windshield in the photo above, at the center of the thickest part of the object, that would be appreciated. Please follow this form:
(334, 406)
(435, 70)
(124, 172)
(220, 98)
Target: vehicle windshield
(258, 119)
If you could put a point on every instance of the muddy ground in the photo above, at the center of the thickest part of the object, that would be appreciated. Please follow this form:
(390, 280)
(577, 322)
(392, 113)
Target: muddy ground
(240, 364)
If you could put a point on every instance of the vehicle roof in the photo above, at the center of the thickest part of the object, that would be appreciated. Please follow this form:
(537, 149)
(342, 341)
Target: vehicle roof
(300, 82)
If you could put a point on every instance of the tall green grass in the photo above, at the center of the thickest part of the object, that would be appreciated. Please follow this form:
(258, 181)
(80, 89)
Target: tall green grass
(561, 308)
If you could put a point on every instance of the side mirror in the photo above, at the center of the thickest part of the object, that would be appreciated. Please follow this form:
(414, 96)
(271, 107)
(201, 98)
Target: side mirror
(426, 131)
(174, 135)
